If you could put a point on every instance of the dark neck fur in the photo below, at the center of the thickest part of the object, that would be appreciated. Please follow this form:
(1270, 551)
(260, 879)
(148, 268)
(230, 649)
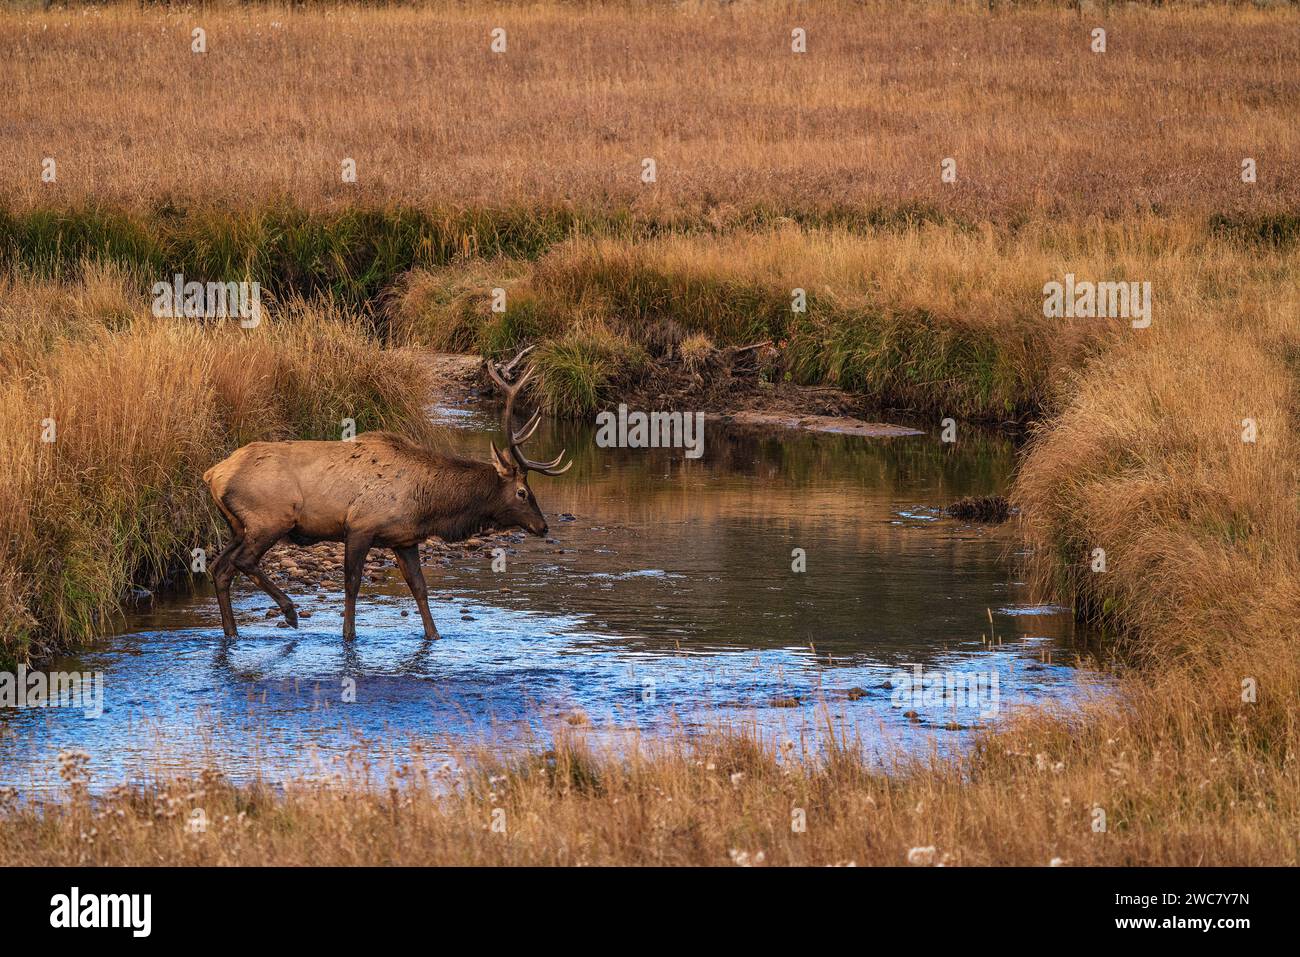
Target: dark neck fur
(457, 497)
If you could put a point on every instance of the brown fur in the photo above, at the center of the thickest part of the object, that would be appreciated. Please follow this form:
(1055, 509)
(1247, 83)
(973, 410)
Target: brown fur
(379, 490)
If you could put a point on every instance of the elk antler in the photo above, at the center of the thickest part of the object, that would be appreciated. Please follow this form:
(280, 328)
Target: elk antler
(518, 438)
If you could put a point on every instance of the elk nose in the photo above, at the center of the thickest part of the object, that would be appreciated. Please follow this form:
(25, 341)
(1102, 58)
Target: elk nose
(545, 528)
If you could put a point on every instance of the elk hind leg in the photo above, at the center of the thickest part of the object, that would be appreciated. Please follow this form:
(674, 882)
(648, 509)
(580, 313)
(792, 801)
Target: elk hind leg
(246, 558)
(223, 573)
(408, 560)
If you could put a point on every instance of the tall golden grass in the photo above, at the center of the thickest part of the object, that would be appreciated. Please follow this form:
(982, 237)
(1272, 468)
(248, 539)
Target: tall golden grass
(1148, 460)
(140, 407)
(1034, 119)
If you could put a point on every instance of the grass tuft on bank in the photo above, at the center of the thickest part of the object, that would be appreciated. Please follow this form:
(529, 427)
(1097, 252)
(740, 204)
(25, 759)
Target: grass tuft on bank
(1164, 497)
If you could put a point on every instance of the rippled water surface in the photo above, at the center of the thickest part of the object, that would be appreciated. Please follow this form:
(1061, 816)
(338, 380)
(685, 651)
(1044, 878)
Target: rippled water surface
(667, 601)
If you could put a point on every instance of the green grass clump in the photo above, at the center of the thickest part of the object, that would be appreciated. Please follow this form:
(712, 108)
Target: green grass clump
(577, 372)
(351, 254)
(912, 361)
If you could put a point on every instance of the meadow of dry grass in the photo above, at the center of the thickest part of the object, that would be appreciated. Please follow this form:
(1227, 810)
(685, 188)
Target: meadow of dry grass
(922, 295)
(1034, 119)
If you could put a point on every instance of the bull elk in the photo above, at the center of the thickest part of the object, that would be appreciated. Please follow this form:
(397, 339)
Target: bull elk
(379, 490)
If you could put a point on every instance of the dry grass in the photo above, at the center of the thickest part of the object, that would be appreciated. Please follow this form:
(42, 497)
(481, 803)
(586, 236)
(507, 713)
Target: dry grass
(734, 119)
(1201, 528)
(931, 318)
(1142, 453)
(141, 407)
(1188, 780)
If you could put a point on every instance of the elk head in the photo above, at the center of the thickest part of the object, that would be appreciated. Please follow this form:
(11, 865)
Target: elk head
(516, 505)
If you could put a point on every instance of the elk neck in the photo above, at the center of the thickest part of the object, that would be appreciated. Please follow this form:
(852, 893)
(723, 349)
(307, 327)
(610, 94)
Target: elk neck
(456, 497)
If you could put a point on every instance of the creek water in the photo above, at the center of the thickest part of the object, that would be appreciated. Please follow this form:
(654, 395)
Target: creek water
(668, 601)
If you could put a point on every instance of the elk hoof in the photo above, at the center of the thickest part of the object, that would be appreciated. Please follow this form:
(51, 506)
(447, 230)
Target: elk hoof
(291, 616)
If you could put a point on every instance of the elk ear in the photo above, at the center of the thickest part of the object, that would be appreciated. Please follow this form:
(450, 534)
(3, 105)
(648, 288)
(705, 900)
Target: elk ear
(505, 468)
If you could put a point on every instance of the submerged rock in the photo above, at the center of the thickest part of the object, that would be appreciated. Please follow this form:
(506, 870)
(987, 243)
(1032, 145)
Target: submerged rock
(989, 509)
(140, 596)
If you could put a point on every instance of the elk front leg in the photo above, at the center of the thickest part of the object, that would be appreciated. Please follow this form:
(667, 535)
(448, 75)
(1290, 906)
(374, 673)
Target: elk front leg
(408, 560)
(256, 544)
(355, 551)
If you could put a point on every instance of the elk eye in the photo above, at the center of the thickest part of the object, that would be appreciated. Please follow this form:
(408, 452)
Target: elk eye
(522, 492)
